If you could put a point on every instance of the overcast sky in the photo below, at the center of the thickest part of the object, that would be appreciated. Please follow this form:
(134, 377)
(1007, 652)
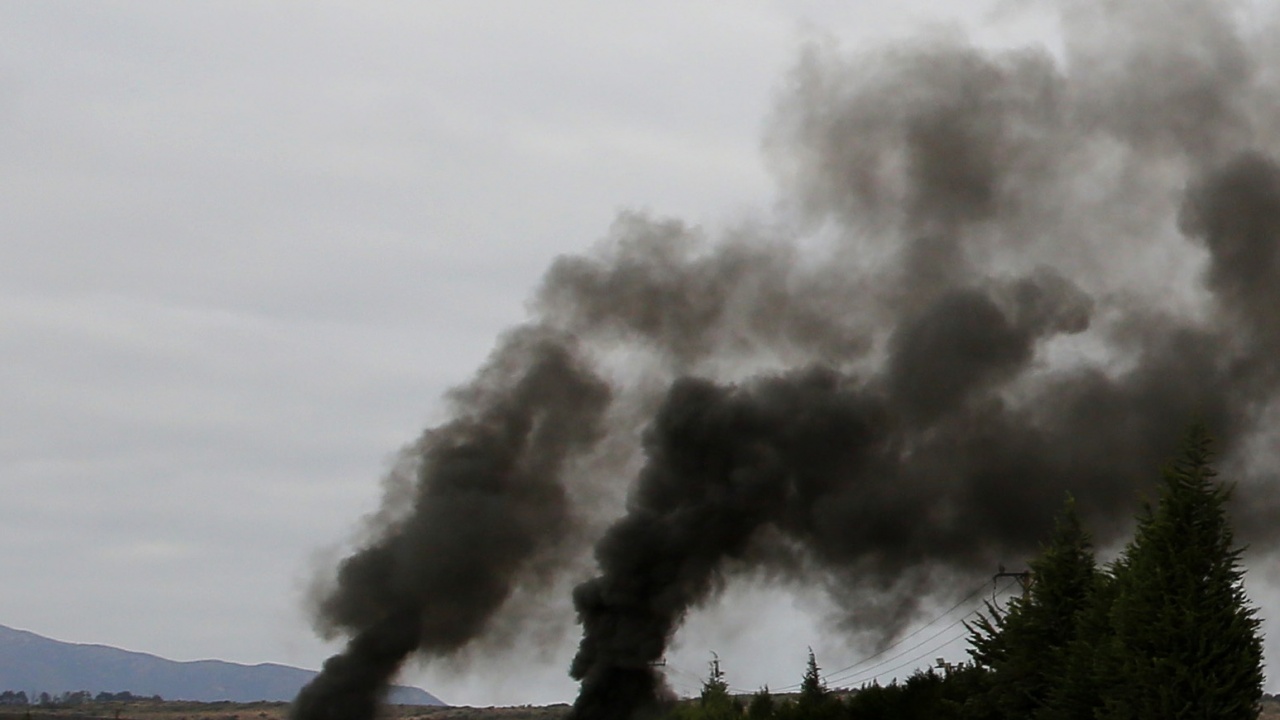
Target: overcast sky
(246, 246)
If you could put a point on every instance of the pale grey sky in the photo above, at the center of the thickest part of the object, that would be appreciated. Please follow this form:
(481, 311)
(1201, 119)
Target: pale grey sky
(246, 246)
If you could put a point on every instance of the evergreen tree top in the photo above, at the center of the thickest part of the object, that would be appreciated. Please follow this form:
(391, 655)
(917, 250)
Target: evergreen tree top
(812, 686)
(1186, 635)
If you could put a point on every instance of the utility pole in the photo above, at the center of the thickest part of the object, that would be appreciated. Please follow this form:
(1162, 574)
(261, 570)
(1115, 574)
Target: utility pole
(1024, 578)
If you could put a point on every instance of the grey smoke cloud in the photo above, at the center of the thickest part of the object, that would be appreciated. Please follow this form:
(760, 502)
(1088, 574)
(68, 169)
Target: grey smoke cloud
(896, 384)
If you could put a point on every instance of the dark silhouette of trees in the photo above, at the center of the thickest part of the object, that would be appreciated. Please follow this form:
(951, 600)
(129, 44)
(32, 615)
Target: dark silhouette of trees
(1085, 682)
(812, 689)
(815, 701)
(1185, 639)
(1166, 631)
(762, 706)
(1026, 644)
(715, 702)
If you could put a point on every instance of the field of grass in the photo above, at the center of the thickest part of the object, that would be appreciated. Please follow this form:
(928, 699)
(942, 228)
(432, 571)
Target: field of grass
(179, 710)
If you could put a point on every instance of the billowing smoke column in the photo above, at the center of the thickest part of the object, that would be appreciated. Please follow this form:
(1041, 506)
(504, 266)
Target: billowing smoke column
(1000, 278)
(488, 504)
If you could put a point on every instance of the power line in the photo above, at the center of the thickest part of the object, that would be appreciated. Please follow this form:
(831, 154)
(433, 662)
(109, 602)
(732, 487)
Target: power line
(966, 599)
(913, 661)
(976, 591)
(683, 673)
(926, 641)
(909, 650)
(839, 676)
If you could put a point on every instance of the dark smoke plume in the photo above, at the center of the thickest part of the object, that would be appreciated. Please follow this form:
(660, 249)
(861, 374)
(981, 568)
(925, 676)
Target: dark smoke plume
(999, 277)
(489, 502)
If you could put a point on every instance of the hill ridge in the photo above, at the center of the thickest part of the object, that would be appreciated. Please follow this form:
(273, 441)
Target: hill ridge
(35, 663)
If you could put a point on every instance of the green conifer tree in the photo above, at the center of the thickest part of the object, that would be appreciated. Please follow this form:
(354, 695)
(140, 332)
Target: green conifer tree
(1186, 641)
(1086, 678)
(812, 688)
(1025, 646)
(714, 702)
(815, 701)
(761, 706)
(715, 689)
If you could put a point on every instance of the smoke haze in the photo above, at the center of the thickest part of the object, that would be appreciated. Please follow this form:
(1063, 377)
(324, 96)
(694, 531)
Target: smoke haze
(997, 278)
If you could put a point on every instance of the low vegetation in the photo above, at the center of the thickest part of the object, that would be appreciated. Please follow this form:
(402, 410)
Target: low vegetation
(148, 709)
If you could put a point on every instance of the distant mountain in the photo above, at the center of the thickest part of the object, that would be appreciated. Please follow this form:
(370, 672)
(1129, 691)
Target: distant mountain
(34, 663)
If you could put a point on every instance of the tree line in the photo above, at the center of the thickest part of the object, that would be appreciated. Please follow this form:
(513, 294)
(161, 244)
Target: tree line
(67, 699)
(1165, 631)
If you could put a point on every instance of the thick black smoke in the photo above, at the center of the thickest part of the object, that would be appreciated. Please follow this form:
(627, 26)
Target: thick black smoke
(489, 504)
(999, 277)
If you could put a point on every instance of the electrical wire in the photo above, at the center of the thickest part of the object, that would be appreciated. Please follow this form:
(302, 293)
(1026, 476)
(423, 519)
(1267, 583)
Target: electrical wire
(904, 653)
(912, 662)
(861, 675)
(966, 599)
